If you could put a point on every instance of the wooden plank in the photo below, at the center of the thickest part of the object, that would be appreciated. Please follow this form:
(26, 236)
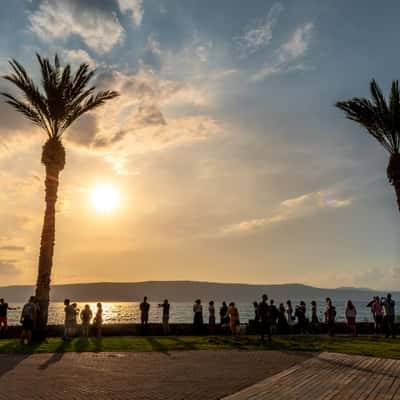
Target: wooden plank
(330, 376)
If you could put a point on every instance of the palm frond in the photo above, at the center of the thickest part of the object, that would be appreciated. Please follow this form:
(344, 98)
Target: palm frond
(64, 98)
(380, 118)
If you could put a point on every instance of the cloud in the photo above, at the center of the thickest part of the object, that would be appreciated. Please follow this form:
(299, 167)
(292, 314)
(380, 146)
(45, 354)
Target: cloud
(291, 209)
(8, 267)
(12, 248)
(134, 7)
(288, 56)
(94, 21)
(79, 56)
(146, 111)
(260, 34)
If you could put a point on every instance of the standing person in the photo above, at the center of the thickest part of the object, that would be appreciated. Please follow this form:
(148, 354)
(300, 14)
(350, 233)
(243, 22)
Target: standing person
(165, 316)
(265, 318)
(70, 320)
(86, 316)
(289, 314)
(314, 317)
(377, 312)
(388, 315)
(27, 317)
(330, 314)
(4, 307)
(255, 306)
(223, 318)
(234, 322)
(282, 326)
(351, 314)
(198, 317)
(98, 320)
(301, 317)
(144, 314)
(76, 315)
(273, 315)
(211, 316)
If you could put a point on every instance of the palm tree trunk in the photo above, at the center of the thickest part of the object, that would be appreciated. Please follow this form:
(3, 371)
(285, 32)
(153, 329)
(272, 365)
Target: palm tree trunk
(397, 189)
(393, 173)
(47, 246)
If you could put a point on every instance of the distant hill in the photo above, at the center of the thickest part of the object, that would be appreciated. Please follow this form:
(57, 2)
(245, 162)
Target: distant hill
(183, 291)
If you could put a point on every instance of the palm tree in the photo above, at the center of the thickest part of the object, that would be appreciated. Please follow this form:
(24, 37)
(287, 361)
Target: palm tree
(62, 99)
(381, 118)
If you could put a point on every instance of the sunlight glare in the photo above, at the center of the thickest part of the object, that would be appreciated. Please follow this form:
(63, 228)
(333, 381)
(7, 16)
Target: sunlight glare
(105, 198)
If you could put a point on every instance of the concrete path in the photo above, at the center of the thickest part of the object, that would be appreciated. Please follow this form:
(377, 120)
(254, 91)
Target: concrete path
(186, 375)
(330, 376)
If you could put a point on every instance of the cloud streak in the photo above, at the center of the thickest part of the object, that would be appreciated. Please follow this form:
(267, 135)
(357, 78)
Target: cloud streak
(288, 56)
(298, 207)
(260, 34)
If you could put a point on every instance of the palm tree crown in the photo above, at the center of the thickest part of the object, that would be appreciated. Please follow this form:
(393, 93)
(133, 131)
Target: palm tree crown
(64, 96)
(380, 117)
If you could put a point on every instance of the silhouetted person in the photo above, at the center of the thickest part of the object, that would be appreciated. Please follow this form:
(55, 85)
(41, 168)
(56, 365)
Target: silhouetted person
(330, 315)
(86, 316)
(98, 320)
(314, 317)
(70, 320)
(377, 313)
(301, 317)
(351, 314)
(4, 307)
(388, 315)
(198, 317)
(211, 317)
(27, 317)
(265, 318)
(165, 316)
(289, 314)
(273, 314)
(282, 326)
(144, 314)
(234, 321)
(223, 311)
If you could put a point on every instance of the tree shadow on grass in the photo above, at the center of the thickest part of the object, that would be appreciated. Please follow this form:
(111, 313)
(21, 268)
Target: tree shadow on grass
(157, 346)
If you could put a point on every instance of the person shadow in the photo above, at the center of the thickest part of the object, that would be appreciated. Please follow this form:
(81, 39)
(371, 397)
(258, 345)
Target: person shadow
(13, 354)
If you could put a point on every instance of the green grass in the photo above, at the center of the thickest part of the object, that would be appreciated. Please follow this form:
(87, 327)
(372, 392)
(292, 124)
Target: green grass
(378, 347)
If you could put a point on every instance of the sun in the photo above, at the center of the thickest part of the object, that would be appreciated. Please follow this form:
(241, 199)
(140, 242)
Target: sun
(104, 198)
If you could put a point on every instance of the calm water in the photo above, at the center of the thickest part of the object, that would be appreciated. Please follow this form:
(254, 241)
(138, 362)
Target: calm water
(124, 312)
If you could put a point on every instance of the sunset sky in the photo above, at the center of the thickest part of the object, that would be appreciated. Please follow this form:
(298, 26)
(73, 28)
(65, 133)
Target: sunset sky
(229, 158)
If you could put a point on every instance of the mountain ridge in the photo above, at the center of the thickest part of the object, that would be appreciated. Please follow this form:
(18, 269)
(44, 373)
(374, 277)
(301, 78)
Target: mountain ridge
(183, 291)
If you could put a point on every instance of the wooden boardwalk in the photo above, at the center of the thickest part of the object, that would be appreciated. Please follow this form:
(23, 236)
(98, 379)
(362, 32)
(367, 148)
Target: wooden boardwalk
(330, 376)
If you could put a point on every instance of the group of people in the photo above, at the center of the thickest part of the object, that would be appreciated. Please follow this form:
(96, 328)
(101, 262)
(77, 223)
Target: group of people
(145, 311)
(268, 318)
(283, 318)
(72, 313)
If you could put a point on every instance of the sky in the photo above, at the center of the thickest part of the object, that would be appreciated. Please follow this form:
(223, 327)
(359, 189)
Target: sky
(230, 160)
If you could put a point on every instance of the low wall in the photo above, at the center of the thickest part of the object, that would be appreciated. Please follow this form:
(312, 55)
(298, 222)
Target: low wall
(187, 329)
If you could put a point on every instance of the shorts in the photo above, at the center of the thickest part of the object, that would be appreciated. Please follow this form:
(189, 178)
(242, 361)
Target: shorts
(3, 321)
(27, 324)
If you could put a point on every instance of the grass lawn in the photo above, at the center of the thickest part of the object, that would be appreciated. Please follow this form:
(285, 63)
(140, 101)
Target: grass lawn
(368, 346)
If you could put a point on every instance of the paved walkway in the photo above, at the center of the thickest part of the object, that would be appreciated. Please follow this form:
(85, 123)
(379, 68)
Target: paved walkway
(183, 375)
(330, 376)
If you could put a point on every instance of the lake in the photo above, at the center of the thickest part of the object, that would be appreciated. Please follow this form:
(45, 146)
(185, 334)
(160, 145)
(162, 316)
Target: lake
(128, 312)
